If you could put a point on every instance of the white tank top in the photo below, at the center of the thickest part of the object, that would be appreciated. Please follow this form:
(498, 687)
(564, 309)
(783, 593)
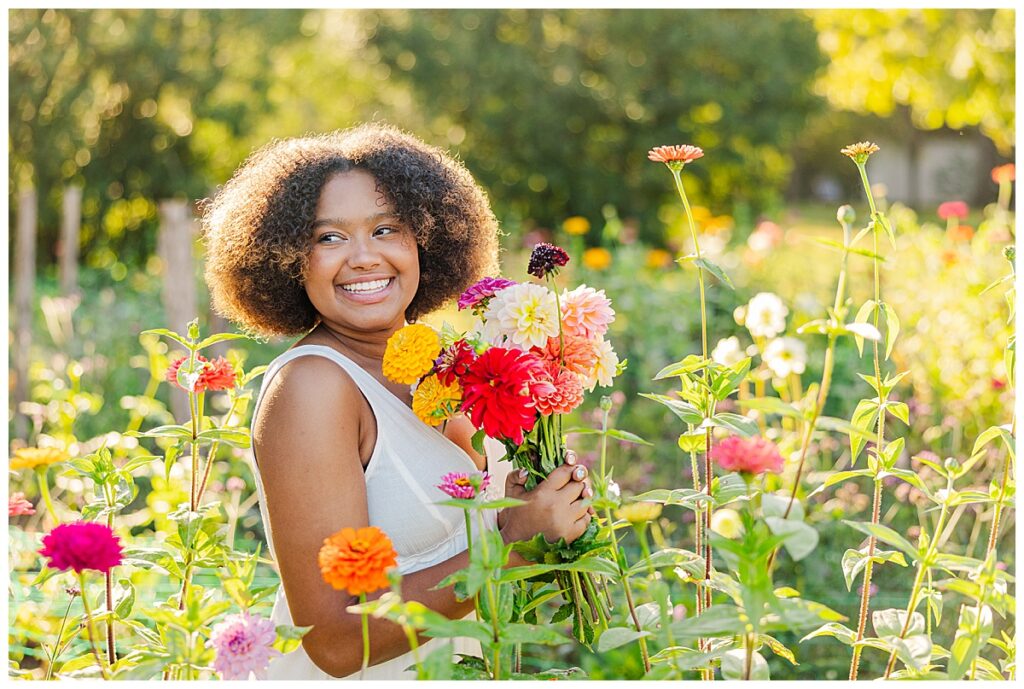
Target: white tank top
(408, 461)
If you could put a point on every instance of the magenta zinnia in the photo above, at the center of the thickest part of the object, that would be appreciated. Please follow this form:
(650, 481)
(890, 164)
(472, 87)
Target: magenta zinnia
(499, 389)
(243, 646)
(748, 455)
(465, 486)
(82, 545)
(478, 294)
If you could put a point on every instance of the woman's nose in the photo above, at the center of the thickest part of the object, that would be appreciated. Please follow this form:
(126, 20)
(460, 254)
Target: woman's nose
(364, 254)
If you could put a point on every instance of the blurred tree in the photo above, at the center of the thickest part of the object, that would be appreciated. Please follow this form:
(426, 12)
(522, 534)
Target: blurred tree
(950, 67)
(555, 110)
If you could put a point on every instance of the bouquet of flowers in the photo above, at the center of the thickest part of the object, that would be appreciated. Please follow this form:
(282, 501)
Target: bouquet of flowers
(533, 355)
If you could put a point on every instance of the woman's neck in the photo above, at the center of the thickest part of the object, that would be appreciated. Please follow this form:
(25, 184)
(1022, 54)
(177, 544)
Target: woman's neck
(364, 347)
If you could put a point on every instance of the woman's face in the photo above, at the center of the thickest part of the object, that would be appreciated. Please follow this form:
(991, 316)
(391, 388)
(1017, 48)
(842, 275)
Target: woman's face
(364, 266)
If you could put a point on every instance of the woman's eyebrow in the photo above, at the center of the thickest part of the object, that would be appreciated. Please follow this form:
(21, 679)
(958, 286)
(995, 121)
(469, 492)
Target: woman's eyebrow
(342, 223)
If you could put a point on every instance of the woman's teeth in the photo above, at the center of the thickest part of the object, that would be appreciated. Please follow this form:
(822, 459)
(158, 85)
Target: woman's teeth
(373, 286)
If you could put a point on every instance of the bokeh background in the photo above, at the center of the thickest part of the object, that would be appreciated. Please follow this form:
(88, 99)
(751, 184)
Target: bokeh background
(121, 121)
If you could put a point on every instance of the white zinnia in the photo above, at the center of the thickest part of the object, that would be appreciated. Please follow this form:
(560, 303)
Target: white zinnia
(786, 355)
(766, 315)
(728, 351)
(526, 314)
(604, 369)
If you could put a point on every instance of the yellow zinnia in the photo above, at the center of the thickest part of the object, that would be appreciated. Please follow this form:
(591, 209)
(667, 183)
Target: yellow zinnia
(597, 258)
(577, 224)
(639, 512)
(32, 457)
(434, 402)
(410, 353)
(658, 258)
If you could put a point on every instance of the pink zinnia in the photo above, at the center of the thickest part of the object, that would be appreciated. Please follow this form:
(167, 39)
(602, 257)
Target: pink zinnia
(566, 395)
(243, 645)
(479, 293)
(465, 486)
(18, 506)
(218, 375)
(749, 455)
(580, 353)
(82, 545)
(499, 389)
(952, 209)
(586, 312)
(675, 154)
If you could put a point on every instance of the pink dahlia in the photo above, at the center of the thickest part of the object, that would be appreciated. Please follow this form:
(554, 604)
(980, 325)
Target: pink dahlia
(499, 391)
(478, 294)
(82, 545)
(17, 506)
(566, 395)
(243, 646)
(952, 209)
(586, 312)
(580, 353)
(749, 455)
(465, 486)
(454, 361)
(218, 374)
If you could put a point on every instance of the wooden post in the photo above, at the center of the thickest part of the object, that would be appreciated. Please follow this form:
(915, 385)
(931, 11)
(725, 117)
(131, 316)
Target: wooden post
(24, 287)
(175, 244)
(70, 228)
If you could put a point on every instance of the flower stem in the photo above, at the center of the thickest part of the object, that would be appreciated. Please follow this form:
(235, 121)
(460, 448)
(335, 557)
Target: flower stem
(366, 636)
(56, 645)
(44, 492)
(561, 333)
(748, 661)
(492, 605)
(88, 626)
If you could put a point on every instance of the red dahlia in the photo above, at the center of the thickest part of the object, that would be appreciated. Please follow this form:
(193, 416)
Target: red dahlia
(454, 361)
(499, 389)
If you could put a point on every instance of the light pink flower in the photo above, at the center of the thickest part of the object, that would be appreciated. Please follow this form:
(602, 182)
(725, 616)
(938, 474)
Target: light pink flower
(749, 455)
(464, 486)
(17, 506)
(243, 646)
(586, 312)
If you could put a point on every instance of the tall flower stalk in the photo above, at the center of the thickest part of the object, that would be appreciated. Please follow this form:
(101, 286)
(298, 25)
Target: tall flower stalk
(860, 153)
(675, 158)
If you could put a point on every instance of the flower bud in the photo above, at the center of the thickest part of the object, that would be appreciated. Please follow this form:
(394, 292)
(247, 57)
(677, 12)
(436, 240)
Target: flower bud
(1010, 253)
(606, 403)
(73, 590)
(846, 215)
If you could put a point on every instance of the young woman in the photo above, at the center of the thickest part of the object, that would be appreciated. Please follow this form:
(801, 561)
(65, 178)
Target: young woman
(342, 239)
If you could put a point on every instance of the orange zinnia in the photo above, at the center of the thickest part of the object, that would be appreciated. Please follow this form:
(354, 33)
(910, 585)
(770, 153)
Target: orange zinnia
(357, 560)
(675, 154)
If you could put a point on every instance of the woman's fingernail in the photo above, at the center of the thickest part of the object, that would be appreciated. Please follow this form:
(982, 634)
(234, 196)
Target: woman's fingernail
(587, 492)
(523, 473)
(570, 457)
(581, 472)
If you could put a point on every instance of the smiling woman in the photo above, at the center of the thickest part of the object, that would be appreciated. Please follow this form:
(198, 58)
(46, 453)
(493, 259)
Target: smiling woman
(343, 238)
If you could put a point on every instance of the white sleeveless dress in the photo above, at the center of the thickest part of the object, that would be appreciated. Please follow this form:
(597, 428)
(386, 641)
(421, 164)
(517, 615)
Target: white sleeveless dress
(406, 465)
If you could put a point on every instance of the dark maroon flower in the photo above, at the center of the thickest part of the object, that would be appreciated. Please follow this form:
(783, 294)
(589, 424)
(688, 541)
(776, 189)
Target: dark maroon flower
(546, 259)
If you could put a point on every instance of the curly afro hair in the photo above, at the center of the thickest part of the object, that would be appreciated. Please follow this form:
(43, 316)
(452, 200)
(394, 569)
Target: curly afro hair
(258, 228)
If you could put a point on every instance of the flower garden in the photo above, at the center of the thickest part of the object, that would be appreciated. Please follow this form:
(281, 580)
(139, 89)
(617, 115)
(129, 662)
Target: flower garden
(801, 448)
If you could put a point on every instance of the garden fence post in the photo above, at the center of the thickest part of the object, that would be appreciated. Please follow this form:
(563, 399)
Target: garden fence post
(71, 223)
(175, 245)
(24, 285)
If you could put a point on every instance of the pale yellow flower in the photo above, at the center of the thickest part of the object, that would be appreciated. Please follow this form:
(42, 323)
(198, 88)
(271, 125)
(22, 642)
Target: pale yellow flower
(31, 457)
(639, 512)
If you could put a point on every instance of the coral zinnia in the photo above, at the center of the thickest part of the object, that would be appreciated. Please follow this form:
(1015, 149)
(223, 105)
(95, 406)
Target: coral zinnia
(434, 402)
(860, 152)
(675, 154)
(454, 361)
(750, 455)
(580, 353)
(478, 294)
(499, 391)
(243, 646)
(410, 353)
(17, 506)
(465, 486)
(586, 311)
(215, 375)
(82, 545)
(526, 314)
(357, 560)
(32, 457)
(566, 395)
(545, 260)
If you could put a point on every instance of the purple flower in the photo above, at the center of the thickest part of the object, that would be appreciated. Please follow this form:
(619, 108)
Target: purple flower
(479, 293)
(243, 645)
(546, 259)
(464, 486)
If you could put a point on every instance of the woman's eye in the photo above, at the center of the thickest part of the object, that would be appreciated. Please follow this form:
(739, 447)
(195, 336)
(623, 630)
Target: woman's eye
(385, 230)
(329, 238)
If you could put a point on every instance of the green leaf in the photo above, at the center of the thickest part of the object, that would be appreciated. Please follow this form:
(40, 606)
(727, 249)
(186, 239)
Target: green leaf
(886, 535)
(734, 665)
(864, 417)
(890, 622)
(478, 441)
(854, 561)
(778, 648)
(862, 317)
(775, 505)
(289, 637)
(771, 405)
(740, 425)
(795, 614)
(686, 497)
(833, 629)
(853, 250)
(627, 436)
(892, 328)
(170, 456)
(235, 437)
(439, 626)
(990, 434)
(725, 489)
(684, 410)
(694, 441)
(124, 598)
(691, 363)
(715, 270)
(170, 431)
(900, 410)
(164, 332)
(725, 382)
(614, 637)
(597, 565)
(219, 337)
(669, 557)
(718, 620)
(531, 634)
(915, 651)
(800, 537)
(840, 476)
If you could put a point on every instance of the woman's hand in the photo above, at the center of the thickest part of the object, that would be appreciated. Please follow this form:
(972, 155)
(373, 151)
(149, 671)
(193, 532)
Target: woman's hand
(557, 507)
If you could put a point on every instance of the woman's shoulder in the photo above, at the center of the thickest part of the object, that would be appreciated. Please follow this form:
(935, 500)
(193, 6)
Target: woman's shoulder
(307, 385)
